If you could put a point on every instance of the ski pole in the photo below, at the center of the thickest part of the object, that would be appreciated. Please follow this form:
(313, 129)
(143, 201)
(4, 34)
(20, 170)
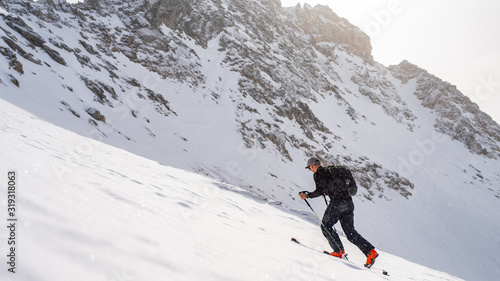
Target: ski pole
(324, 227)
(320, 221)
(326, 202)
(314, 212)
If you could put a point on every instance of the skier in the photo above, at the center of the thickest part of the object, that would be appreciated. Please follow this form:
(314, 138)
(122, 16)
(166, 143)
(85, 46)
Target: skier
(341, 208)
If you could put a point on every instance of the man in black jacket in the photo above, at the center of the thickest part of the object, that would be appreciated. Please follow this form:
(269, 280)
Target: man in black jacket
(341, 208)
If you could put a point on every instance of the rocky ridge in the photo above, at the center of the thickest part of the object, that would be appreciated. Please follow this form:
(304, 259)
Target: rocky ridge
(457, 116)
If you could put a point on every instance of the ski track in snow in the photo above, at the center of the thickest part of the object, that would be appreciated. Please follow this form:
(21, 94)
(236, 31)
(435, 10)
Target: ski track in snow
(89, 211)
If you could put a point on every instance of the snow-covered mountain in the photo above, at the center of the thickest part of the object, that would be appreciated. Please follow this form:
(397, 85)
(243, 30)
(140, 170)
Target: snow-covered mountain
(123, 217)
(246, 91)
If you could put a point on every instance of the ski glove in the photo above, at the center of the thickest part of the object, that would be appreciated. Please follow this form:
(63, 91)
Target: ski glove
(304, 194)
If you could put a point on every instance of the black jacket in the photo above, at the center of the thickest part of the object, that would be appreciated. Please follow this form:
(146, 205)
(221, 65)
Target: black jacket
(325, 185)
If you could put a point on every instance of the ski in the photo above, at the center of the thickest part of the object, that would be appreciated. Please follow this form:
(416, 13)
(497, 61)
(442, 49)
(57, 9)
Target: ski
(343, 259)
(324, 252)
(297, 241)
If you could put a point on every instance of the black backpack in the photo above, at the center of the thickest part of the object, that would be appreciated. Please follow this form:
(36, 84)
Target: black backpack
(342, 180)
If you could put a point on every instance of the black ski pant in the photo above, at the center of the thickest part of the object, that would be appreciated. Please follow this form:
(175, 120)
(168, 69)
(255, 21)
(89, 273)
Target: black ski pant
(343, 210)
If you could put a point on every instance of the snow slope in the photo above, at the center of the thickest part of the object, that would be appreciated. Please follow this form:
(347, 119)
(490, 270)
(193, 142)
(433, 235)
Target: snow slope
(89, 211)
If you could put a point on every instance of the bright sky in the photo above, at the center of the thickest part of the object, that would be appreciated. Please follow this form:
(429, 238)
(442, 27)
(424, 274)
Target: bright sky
(456, 40)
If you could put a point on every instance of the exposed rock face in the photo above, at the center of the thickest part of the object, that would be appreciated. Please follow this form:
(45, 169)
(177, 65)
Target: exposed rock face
(328, 31)
(192, 17)
(13, 62)
(96, 114)
(27, 32)
(457, 116)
